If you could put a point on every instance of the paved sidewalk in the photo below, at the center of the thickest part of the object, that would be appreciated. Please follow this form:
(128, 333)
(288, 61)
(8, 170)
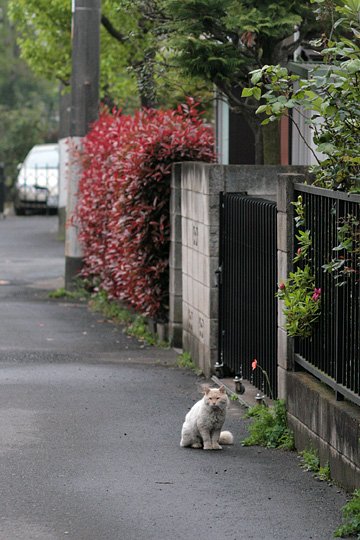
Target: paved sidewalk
(90, 425)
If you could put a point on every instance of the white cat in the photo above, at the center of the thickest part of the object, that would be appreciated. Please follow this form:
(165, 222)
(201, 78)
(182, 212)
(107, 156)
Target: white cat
(203, 423)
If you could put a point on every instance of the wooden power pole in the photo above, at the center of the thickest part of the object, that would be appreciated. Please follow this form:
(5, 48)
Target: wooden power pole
(84, 111)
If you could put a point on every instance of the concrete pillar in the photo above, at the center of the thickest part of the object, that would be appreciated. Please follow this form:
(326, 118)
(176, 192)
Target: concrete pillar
(200, 210)
(285, 246)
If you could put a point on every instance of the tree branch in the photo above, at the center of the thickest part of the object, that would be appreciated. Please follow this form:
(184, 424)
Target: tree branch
(112, 30)
(302, 137)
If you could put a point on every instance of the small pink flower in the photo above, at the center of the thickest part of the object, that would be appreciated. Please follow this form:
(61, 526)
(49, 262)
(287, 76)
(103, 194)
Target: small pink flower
(282, 286)
(316, 295)
(299, 252)
(254, 364)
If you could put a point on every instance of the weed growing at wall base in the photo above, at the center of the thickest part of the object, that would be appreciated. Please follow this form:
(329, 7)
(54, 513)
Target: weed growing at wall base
(269, 427)
(311, 462)
(184, 360)
(134, 325)
(351, 518)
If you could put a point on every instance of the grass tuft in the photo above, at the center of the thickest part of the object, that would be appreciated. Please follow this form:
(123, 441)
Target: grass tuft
(185, 361)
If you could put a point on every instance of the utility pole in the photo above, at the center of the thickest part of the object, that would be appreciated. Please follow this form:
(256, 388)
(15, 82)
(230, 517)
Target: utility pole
(84, 110)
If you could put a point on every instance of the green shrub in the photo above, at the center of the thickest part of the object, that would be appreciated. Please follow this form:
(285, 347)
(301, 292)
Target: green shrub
(269, 427)
(351, 518)
(184, 360)
(311, 462)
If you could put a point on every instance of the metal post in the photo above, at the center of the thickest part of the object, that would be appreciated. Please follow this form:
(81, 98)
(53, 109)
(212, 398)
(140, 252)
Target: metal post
(84, 111)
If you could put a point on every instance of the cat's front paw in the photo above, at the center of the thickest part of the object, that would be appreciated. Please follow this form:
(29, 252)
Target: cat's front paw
(196, 445)
(208, 446)
(216, 446)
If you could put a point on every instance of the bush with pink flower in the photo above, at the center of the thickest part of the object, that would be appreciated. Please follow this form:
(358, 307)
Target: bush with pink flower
(301, 298)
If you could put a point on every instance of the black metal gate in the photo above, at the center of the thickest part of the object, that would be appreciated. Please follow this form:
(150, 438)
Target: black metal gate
(247, 288)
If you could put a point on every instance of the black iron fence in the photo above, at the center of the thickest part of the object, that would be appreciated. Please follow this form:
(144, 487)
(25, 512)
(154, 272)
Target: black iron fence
(248, 284)
(332, 353)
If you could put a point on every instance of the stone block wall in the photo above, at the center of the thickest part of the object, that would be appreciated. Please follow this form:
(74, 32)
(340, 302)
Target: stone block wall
(200, 247)
(194, 254)
(330, 427)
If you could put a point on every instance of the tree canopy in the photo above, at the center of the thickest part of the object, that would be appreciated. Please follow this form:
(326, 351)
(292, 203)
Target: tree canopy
(134, 64)
(28, 105)
(154, 52)
(223, 41)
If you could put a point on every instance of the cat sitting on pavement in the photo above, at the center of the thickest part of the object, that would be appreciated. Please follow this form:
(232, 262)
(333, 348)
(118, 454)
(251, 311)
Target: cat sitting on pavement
(203, 423)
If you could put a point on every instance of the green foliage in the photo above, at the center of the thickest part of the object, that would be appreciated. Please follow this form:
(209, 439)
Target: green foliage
(301, 299)
(134, 325)
(324, 473)
(351, 518)
(27, 104)
(48, 25)
(330, 96)
(300, 308)
(346, 260)
(78, 294)
(311, 462)
(185, 361)
(112, 310)
(139, 329)
(269, 427)
(223, 41)
(135, 60)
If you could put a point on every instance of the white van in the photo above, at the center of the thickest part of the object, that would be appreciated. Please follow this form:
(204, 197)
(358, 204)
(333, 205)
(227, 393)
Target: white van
(37, 185)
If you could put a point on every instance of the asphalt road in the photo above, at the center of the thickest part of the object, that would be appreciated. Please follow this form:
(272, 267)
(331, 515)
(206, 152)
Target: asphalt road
(90, 425)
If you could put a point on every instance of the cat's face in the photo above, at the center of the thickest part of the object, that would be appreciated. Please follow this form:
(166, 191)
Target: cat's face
(216, 398)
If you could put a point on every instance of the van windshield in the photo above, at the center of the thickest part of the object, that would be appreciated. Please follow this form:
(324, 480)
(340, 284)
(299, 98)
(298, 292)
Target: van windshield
(43, 159)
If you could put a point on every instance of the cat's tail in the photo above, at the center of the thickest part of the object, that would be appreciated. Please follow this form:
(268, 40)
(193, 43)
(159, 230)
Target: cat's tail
(226, 438)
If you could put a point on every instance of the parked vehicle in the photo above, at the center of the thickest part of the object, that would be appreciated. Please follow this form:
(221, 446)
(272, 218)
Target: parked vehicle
(37, 184)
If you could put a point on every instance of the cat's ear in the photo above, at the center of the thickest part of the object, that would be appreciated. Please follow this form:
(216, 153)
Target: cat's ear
(206, 389)
(222, 389)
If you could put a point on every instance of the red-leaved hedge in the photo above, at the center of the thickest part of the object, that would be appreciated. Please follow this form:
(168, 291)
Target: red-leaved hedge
(123, 200)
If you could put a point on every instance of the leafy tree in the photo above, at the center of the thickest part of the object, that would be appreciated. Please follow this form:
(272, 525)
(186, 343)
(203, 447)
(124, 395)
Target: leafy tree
(331, 95)
(27, 104)
(134, 63)
(222, 41)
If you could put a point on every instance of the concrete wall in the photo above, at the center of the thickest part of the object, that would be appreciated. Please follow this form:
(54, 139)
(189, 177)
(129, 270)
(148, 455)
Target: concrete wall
(330, 427)
(200, 186)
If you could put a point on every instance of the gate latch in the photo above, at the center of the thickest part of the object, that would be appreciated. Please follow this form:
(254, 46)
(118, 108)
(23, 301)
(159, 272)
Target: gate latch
(218, 276)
